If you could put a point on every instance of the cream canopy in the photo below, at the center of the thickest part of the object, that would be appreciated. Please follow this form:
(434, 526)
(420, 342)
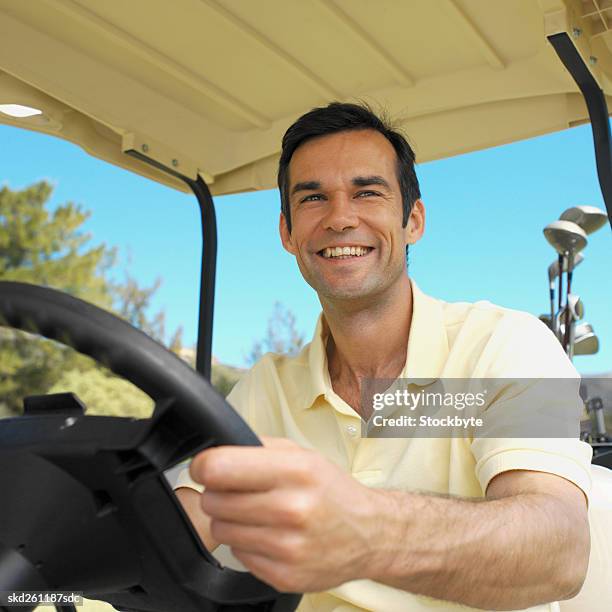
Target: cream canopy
(209, 86)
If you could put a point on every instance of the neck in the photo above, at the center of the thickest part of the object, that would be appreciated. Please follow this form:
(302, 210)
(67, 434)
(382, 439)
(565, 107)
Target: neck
(368, 341)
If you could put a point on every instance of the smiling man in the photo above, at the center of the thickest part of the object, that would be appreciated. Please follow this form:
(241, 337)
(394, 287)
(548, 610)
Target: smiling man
(390, 524)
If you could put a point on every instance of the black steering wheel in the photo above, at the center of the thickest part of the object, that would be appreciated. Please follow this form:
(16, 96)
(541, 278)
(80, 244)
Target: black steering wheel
(86, 506)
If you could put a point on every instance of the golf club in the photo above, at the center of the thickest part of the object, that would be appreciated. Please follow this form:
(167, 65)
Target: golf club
(572, 311)
(553, 273)
(586, 342)
(581, 329)
(575, 312)
(568, 239)
(589, 218)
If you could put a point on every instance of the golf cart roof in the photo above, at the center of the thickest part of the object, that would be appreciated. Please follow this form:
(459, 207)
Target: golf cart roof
(209, 86)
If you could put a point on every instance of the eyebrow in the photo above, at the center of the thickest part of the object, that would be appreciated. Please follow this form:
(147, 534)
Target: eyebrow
(358, 181)
(364, 181)
(306, 186)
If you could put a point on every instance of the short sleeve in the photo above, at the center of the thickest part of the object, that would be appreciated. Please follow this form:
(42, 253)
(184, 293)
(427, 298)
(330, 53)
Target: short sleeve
(238, 398)
(563, 457)
(533, 423)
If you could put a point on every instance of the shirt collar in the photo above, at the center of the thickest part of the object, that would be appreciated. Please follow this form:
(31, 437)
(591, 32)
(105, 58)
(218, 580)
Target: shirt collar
(426, 352)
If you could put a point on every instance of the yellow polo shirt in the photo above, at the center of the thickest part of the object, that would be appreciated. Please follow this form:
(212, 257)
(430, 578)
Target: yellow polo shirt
(293, 397)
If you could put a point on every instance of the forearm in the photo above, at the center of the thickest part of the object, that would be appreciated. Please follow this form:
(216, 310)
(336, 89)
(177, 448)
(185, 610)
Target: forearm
(503, 554)
(190, 500)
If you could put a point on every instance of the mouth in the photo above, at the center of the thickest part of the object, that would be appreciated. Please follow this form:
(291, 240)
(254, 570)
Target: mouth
(339, 253)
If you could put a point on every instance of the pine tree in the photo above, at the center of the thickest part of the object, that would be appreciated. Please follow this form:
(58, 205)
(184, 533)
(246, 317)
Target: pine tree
(282, 335)
(51, 249)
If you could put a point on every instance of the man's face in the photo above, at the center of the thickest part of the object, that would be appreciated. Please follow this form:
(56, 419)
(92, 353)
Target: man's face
(344, 194)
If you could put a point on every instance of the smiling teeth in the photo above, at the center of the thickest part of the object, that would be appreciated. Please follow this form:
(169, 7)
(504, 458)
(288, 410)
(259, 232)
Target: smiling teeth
(344, 251)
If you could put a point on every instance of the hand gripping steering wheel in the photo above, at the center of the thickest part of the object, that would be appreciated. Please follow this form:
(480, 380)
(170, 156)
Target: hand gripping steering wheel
(85, 504)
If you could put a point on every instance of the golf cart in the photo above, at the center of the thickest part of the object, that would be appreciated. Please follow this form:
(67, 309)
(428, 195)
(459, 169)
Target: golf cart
(196, 94)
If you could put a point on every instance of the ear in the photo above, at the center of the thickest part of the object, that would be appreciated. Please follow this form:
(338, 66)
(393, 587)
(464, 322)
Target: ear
(285, 235)
(416, 223)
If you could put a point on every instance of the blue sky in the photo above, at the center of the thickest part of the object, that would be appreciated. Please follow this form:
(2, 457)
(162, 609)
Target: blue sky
(485, 214)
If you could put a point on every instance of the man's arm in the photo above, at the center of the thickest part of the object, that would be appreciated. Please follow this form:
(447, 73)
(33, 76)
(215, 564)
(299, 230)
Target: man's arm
(528, 543)
(302, 524)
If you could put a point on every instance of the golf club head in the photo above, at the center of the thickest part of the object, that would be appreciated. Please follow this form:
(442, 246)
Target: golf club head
(576, 310)
(585, 343)
(581, 329)
(558, 324)
(584, 328)
(553, 269)
(565, 237)
(576, 306)
(589, 218)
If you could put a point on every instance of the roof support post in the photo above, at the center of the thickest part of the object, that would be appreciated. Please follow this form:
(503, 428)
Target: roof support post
(208, 265)
(208, 269)
(598, 111)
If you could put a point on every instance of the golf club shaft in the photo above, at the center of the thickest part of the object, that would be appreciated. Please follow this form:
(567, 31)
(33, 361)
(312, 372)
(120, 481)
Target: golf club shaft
(569, 319)
(560, 281)
(571, 339)
(551, 292)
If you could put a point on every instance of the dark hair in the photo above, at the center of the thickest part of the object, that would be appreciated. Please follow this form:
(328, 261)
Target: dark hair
(343, 117)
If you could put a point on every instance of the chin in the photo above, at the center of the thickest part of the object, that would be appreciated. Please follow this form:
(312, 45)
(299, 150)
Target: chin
(346, 292)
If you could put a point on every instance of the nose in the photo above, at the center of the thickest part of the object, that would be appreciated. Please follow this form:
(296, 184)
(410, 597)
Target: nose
(341, 214)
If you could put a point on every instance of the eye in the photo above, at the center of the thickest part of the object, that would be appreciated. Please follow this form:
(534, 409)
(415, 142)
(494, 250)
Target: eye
(367, 194)
(314, 197)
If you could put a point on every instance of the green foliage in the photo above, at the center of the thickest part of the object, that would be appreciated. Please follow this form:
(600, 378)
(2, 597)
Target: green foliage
(50, 248)
(225, 377)
(105, 394)
(45, 248)
(282, 335)
(133, 304)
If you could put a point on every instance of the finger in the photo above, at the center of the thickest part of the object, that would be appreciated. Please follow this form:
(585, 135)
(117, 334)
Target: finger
(274, 508)
(273, 442)
(278, 575)
(275, 544)
(234, 468)
(250, 508)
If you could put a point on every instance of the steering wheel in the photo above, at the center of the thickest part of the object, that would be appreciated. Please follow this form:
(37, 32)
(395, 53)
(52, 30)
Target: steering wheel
(86, 506)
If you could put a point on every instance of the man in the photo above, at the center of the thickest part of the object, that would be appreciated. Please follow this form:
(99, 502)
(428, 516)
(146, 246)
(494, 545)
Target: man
(389, 524)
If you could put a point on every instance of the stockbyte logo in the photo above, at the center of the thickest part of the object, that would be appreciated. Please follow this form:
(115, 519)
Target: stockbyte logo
(426, 421)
